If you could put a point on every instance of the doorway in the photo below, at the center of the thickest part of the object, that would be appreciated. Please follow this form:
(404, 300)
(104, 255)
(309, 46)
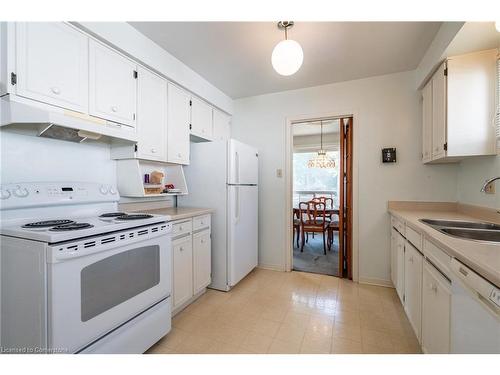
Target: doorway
(321, 195)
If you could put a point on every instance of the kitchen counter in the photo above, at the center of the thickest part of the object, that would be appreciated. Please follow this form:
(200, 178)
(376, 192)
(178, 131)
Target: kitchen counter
(482, 257)
(179, 213)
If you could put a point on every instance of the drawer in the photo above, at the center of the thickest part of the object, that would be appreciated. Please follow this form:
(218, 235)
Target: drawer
(414, 237)
(182, 227)
(200, 222)
(398, 225)
(437, 257)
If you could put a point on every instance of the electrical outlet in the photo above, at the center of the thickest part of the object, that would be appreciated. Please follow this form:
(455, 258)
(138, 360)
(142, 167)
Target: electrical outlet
(490, 188)
(279, 172)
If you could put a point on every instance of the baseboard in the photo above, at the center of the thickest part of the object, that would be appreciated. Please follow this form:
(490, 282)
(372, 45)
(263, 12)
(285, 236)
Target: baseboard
(271, 267)
(377, 282)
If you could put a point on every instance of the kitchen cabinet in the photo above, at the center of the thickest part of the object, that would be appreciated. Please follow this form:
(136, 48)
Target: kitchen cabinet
(436, 306)
(182, 252)
(459, 108)
(178, 113)
(201, 119)
(399, 261)
(112, 85)
(151, 116)
(52, 64)
(222, 127)
(192, 259)
(413, 261)
(202, 259)
(427, 123)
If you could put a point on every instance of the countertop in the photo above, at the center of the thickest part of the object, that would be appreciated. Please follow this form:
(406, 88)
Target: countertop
(482, 257)
(179, 213)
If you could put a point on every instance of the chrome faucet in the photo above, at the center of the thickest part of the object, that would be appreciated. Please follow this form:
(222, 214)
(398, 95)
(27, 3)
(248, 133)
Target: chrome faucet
(489, 182)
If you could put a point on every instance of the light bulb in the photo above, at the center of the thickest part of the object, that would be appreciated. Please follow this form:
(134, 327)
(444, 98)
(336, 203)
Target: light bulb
(287, 57)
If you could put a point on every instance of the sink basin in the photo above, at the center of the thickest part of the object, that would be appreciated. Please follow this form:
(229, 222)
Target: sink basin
(461, 224)
(473, 234)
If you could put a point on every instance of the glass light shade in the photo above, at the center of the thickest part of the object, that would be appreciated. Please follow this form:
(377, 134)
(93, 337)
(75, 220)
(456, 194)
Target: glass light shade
(321, 160)
(497, 26)
(287, 57)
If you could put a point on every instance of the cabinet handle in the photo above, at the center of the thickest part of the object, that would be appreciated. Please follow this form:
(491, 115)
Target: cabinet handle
(433, 287)
(153, 150)
(410, 260)
(55, 90)
(202, 241)
(180, 228)
(202, 223)
(179, 155)
(114, 109)
(181, 248)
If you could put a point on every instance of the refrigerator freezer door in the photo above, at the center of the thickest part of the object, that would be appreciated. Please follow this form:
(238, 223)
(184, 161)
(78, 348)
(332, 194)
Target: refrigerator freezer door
(243, 163)
(242, 232)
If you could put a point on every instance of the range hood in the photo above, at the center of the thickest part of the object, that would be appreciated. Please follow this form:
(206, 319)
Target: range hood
(30, 117)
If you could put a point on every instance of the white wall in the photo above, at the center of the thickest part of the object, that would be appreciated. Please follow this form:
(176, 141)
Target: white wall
(387, 114)
(26, 158)
(471, 175)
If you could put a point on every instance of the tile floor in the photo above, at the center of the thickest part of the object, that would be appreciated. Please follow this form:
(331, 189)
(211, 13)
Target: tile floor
(295, 312)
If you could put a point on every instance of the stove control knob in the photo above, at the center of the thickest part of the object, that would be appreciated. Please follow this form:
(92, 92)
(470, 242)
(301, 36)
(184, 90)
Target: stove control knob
(103, 189)
(112, 190)
(21, 192)
(4, 194)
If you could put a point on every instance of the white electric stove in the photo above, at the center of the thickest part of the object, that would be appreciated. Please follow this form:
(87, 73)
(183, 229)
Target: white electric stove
(77, 275)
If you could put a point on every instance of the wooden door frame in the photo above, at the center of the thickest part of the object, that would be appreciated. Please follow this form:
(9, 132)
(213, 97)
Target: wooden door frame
(288, 179)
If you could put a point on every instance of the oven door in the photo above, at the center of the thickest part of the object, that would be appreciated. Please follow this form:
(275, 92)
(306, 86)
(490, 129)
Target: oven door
(94, 292)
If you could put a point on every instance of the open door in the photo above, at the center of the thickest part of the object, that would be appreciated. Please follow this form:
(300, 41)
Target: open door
(345, 199)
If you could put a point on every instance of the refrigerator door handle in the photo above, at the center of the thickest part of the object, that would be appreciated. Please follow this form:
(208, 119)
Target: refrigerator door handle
(236, 205)
(237, 166)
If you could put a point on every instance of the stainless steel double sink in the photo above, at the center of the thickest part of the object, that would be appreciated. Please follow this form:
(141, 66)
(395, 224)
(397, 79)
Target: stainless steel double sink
(470, 230)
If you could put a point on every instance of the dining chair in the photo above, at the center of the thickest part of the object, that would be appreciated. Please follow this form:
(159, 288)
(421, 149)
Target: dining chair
(312, 220)
(296, 225)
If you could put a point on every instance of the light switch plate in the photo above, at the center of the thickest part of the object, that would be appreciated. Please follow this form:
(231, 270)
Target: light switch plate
(279, 172)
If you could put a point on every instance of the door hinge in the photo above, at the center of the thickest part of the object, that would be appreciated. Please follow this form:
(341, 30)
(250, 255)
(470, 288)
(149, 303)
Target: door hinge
(404, 297)
(135, 74)
(13, 79)
(445, 146)
(190, 103)
(135, 147)
(190, 126)
(445, 71)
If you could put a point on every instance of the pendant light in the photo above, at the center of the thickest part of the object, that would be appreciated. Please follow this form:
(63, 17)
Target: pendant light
(287, 55)
(321, 160)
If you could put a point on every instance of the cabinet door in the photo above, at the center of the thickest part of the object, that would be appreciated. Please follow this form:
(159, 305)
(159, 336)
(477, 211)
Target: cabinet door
(222, 129)
(151, 116)
(182, 252)
(178, 125)
(400, 266)
(413, 287)
(427, 123)
(201, 119)
(436, 303)
(202, 260)
(439, 113)
(52, 64)
(394, 258)
(113, 86)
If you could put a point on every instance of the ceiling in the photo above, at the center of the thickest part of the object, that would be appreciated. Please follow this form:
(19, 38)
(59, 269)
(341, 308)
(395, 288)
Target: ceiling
(236, 56)
(474, 36)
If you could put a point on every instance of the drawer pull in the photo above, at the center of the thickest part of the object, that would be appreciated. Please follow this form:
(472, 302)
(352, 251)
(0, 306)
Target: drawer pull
(181, 248)
(180, 228)
(55, 90)
(114, 109)
(462, 271)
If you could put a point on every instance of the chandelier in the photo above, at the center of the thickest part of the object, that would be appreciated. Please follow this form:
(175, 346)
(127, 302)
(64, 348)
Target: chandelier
(321, 159)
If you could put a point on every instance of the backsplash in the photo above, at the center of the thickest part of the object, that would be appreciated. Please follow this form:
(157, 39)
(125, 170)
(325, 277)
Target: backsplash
(471, 175)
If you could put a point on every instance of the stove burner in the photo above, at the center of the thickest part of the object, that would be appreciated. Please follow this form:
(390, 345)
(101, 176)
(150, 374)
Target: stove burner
(48, 223)
(134, 217)
(113, 214)
(72, 226)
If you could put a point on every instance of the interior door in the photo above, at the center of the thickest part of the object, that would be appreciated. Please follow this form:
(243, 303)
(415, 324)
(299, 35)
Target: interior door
(151, 116)
(243, 231)
(113, 86)
(243, 163)
(178, 125)
(52, 64)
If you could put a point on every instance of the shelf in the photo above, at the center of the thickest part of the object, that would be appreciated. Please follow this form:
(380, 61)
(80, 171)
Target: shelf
(130, 177)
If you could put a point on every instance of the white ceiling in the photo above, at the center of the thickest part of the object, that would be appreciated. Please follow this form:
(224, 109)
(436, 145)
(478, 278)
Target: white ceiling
(474, 36)
(236, 56)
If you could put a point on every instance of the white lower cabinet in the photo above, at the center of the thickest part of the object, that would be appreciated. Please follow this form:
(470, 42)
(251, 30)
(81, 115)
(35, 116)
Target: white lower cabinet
(413, 287)
(182, 250)
(192, 260)
(397, 262)
(436, 305)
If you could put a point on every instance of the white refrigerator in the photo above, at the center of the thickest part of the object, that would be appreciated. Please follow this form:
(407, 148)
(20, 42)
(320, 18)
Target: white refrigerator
(223, 175)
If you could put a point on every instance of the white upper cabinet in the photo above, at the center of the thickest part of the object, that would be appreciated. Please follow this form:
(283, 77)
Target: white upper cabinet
(151, 116)
(113, 85)
(427, 123)
(52, 64)
(459, 108)
(222, 126)
(201, 119)
(178, 125)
